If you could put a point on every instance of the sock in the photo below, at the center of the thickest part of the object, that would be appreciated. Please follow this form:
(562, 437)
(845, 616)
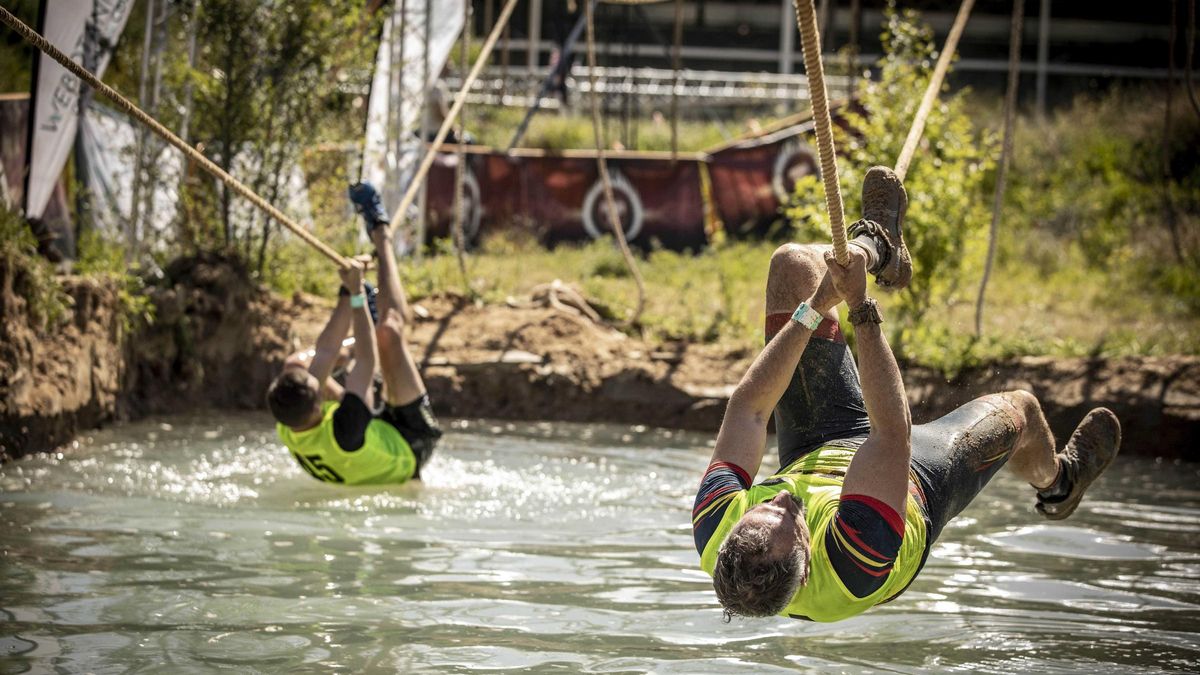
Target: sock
(867, 244)
(1060, 488)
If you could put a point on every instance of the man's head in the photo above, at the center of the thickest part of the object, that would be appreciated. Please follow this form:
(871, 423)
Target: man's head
(764, 560)
(295, 398)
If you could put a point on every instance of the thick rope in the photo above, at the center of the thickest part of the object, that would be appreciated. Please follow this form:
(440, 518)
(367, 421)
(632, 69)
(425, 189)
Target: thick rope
(931, 92)
(414, 185)
(1010, 118)
(32, 37)
(460, 169)
(676, 63)
(609, 200)
(810, 42)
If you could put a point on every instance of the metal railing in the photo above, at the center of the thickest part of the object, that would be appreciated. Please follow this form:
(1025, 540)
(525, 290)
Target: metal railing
(715, 88)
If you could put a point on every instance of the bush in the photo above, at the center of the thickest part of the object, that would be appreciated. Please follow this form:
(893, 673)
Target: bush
(948, 182)
(27, 274)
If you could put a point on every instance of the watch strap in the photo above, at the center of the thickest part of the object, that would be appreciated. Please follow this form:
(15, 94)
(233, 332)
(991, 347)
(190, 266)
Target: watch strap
(807, 316)
(867, 312)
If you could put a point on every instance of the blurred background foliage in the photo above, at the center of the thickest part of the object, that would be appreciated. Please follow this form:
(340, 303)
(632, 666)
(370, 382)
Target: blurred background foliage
(1099, 242)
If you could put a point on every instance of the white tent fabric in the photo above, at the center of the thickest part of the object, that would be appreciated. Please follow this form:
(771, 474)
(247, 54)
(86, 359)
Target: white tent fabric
(109, 140)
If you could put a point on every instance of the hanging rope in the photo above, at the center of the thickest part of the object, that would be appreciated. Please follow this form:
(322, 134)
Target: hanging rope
(931, 92)
(1010, 116)
(418, 178)
(460, 169)
(810, 41)
(32, 37)
(609, 200)
(676, 48)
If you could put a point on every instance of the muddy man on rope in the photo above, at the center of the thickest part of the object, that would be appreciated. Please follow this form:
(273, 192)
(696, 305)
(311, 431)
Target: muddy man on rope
(861, 496)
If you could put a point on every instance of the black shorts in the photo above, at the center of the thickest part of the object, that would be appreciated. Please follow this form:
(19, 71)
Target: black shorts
(418, 426)
(953, 457)
(823, 403)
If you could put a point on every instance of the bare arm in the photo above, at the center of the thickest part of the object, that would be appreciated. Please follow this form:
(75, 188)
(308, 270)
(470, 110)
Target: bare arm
(880, 467)
(329, 343)
(366, 351)
(743, 433)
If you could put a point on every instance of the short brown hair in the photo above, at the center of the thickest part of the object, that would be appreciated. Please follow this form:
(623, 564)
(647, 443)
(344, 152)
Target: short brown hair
(749, 581)
(291, 397)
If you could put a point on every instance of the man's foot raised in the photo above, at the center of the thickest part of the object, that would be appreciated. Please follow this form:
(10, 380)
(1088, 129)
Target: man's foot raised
(884, 203)
(1086, 455)
(367, 202)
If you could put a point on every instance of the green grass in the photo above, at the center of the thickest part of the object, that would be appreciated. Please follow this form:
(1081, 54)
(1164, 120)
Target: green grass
(551, 130)
(1057, 308)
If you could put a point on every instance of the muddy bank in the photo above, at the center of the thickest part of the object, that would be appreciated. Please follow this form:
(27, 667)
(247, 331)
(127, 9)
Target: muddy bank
(218, 338)
(64, 378)
(216, 341)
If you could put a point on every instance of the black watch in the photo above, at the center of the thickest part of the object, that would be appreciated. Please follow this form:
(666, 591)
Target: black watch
(867, 312)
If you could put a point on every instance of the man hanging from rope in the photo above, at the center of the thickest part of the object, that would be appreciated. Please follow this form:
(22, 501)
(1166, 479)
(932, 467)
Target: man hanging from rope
(341, 439)
(849, 520)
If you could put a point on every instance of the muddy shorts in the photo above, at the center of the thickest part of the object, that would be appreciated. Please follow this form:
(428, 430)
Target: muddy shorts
(823, 402)
(418, 426)
(953, 457)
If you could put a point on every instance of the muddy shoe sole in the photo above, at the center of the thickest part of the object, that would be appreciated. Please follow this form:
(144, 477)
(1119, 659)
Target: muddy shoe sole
(885, 202)
(1092, 448)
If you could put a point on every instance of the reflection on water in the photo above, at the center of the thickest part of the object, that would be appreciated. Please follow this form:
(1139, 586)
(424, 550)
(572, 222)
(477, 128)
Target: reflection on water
(199, 544)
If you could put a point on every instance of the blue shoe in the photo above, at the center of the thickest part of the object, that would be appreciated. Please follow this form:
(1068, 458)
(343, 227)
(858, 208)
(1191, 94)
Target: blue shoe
(366, 201)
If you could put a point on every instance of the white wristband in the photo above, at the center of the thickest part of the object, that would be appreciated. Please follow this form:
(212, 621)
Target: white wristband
(807, 316)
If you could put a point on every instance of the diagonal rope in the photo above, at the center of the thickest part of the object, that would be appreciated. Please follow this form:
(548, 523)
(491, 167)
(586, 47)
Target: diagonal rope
(931, 92)
(609, 200)
(810, 42)
(431, 152)
(1010, 115)
(32, 37)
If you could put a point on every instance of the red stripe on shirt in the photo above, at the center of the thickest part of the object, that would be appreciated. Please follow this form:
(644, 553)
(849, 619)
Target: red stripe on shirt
(882, 572)
(853, 535)
(715, 493)
(728, 465)
(888, 513)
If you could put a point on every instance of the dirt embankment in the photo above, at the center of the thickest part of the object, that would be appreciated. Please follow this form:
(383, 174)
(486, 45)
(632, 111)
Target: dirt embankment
(56, 381)
(548, 365)
(218, 339)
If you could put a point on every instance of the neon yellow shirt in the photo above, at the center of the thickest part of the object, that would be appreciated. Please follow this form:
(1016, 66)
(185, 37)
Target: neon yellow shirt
(385, 457)
(816, 478)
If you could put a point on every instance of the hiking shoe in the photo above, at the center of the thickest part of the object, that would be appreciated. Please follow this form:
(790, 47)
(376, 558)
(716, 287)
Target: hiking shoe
(1091, 449)
(366, 201)
(884, 202)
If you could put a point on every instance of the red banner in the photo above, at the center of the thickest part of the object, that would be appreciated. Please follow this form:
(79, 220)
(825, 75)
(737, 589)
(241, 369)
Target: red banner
(561, 199)
(752, 180)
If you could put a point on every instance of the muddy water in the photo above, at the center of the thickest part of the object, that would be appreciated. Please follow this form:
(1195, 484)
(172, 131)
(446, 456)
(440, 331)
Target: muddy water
(196, 544)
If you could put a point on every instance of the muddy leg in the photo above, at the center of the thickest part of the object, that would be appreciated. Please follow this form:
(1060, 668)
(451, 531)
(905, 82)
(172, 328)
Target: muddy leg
(1033, 457)
(795, 273)
(400, 374)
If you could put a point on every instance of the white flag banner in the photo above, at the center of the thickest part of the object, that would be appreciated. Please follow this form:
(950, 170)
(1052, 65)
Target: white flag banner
(392, 148)
(56, 91)
(109, 140)
(108, 143)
